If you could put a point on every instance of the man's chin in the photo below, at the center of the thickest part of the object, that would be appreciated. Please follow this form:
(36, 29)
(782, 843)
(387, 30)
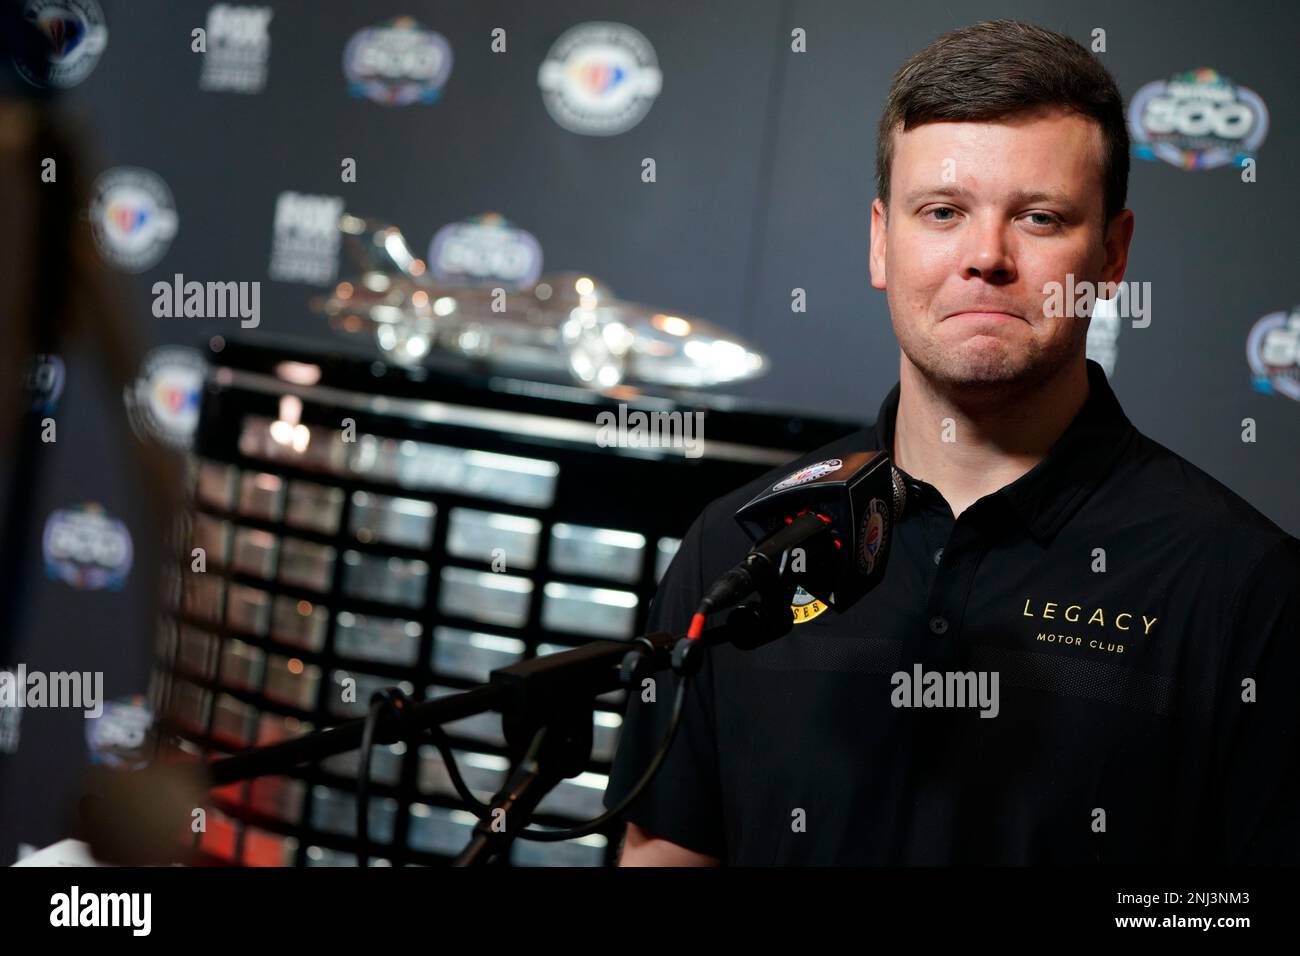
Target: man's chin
(991, 372)
(990, 365)
(976, 367)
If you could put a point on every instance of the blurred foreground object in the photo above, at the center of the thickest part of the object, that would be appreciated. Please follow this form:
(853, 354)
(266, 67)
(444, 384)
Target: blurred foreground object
(63, 853)
(141, 817)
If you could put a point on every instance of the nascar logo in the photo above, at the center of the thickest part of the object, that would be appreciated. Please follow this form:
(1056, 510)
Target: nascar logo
(600, 78)
(133, 218)
(64, 33)
(75, 37)
(163, 404)
(125, 217)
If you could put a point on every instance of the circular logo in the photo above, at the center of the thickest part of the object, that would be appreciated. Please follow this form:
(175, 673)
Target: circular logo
(86, 548)
(117, 737)
(600, 79)
(75, 36)
(397, 63)
(809, 473)
(483, 251)
(875, 533)
(1197, 120)
(163, 403)
(1273, 351)
(133, 217)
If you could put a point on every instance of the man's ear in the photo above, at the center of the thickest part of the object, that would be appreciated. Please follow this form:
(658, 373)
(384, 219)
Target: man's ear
(1119, 233)
(878, 233)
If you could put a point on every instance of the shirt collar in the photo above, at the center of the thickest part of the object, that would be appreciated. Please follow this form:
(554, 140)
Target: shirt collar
(1045, 497)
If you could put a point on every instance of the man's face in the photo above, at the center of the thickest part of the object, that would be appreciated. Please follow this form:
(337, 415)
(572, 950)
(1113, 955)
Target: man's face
(982, 215)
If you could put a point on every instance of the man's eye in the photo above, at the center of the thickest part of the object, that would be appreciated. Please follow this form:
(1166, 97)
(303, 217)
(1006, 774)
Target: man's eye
(1046, 219)
(942, 209)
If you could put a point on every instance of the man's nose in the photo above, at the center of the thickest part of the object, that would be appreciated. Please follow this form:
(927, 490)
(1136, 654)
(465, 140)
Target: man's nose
(988, 254)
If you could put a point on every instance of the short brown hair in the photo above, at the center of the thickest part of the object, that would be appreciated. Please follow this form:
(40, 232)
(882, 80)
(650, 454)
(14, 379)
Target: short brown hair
(995, 69)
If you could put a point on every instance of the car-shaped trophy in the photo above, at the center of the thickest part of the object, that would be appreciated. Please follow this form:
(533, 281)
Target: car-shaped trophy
(568, 324)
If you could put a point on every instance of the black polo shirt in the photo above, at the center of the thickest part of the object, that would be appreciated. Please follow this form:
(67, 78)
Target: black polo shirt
(1121, 595)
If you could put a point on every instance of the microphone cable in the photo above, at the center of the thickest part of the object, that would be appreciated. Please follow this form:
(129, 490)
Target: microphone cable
(393, 697)
(381, 700)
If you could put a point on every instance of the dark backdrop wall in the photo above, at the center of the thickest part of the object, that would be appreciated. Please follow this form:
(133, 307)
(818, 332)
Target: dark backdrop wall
(763, 184)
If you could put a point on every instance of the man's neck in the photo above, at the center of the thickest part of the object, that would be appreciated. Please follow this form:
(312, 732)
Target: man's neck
(969, 443)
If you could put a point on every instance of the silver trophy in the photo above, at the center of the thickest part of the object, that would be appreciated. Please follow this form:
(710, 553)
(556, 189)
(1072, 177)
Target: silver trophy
(568, 323)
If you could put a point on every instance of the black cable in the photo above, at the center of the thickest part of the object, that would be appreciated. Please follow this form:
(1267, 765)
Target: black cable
(380, 701)
(449, 760)
(555, 836)
(383, 698)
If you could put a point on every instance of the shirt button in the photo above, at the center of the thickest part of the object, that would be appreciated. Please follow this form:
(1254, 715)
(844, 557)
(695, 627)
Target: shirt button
(938, 625)
(938, 556)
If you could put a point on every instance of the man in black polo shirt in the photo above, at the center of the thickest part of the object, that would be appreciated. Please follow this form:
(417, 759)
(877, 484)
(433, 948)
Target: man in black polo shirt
(1133, 624)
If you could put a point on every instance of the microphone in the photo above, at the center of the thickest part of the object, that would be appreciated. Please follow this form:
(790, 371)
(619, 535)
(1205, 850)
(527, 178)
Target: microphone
(826, 528)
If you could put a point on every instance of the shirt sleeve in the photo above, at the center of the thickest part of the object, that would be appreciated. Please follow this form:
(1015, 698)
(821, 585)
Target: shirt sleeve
(1258, 776)
(682, 802)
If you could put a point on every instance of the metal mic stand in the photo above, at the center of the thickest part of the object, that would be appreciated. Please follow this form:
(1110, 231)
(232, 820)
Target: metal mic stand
(558, 726)
(547, 705)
